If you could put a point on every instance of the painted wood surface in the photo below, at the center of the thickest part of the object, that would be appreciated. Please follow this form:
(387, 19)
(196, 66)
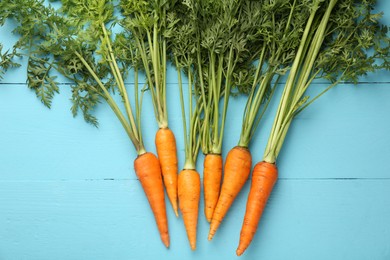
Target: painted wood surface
(68, 190)
(109, 219)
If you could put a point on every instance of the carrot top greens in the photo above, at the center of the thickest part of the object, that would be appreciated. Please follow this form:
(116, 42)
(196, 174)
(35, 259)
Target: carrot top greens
(216, 42)
(281, 27)
(182, 45)
(94, 45)
(147, 24)
(341, 42)
(77, 40)
(7, 60)
(224, 50)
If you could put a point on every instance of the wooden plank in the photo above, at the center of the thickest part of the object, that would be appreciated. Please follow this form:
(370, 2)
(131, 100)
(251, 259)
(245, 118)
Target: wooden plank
(346, 126)
(304, 219)
(14, 76)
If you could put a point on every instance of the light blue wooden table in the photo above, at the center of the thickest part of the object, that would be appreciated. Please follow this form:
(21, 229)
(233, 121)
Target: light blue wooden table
(68, 190)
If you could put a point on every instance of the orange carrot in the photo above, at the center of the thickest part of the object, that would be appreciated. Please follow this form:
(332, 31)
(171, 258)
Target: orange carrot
(166, 150)
(237, 168)
(264, 178)
(147, 168)
(189, 195)
(212, 177)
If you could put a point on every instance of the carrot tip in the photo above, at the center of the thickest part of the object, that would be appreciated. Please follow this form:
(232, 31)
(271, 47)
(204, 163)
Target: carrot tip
(193, 246)
(176, 213)
(239, 252)
(165, 240)
(211, 233)
(166, 243)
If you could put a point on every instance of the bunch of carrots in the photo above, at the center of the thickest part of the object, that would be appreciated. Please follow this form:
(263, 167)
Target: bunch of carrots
(224, 48)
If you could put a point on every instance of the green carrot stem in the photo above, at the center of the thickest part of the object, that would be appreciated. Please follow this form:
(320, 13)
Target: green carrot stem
(137, 144)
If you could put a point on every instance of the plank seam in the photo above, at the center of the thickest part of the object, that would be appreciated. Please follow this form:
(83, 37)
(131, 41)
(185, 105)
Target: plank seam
(131, 179)
(175, 83)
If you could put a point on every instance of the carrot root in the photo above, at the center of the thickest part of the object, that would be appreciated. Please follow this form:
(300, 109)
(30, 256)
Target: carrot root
(147, 168)
(189, 195)
(212, 177)
(166, 151)
(237, 168)
(263, 180)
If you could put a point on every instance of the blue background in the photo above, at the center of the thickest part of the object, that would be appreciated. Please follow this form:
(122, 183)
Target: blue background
(68, 190)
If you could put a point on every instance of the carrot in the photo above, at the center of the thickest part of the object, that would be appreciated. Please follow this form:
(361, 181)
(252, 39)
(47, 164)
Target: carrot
(147, 168)
(189, 180)
(189, 194)
(212, 177)
(237, 168)
(166, 150)
(264, 178)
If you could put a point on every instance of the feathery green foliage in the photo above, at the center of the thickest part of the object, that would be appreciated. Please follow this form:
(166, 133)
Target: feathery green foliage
(215, 42)
(7, 60)
(343, 40)
(77, 41)
(146, 25)
(279, 33)
(182, 54)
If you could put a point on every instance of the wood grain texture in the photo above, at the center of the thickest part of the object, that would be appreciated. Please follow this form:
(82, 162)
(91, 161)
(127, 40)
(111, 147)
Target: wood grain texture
(69, 191)
(346, 126)
(304, 219)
